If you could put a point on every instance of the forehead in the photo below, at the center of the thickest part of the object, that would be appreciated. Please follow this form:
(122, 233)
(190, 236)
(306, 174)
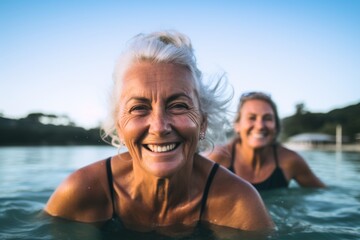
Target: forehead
(147, 78)
(257, 106)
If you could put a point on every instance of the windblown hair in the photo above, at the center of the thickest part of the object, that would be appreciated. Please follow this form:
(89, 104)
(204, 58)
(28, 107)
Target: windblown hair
(172, 47)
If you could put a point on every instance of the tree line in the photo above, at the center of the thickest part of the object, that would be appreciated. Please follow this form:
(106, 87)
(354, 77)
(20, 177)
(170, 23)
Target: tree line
(46, 129)
(304, 121)
(50, 129)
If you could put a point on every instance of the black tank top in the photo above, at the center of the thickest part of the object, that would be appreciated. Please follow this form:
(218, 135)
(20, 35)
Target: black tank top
(203, 200)
(275, 180)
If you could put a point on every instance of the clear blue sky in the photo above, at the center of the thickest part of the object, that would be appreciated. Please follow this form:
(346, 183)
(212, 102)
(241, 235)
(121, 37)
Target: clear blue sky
(58, 56)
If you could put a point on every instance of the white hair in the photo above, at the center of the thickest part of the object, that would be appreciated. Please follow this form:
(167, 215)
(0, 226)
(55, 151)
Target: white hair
(172, 47)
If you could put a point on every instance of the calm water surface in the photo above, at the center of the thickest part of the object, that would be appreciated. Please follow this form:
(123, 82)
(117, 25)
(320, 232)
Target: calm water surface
(28, 176)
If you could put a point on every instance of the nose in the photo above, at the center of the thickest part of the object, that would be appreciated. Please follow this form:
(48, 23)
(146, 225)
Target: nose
(259, 123)
(159, 124)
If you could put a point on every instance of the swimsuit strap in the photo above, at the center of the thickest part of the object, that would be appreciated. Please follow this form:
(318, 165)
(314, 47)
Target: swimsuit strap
(233, 152)
(203, 200)
(276, 155)
(207, 187)
(110, 182)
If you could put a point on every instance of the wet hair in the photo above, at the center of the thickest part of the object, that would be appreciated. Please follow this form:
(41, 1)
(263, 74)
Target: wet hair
(172, 47)
(259, 96)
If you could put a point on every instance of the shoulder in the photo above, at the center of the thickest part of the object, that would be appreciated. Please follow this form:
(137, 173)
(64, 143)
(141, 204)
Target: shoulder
(235, 203)
(82, 196)
(289, 158)
(221, 154)
(295, 167)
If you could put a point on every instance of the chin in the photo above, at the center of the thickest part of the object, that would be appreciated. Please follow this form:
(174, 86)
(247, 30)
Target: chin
(259, 145)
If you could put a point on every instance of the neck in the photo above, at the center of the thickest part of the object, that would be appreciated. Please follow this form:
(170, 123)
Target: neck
(161, 194)
(255, 157)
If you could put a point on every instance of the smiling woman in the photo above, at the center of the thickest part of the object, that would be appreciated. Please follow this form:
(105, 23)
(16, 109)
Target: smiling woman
(161, 111)
(159, 116)
(254, 153)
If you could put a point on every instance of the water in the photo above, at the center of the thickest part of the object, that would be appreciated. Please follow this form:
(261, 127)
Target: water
(28, 176)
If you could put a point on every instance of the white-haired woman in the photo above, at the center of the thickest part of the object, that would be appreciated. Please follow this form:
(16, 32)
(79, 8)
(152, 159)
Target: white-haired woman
(161, 111)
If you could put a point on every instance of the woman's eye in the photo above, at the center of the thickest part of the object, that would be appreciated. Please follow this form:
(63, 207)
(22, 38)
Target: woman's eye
(139, 109)
(178, 107)
(268, 118)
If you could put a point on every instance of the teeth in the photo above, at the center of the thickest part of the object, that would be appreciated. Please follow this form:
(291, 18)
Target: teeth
(162, 148)
(259, 135)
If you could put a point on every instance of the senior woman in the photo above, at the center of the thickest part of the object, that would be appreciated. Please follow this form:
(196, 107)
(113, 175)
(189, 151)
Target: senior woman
(160, 110)
(255, 155)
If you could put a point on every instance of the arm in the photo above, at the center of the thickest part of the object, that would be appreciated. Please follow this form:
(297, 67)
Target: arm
(81, 197)
(303, 174)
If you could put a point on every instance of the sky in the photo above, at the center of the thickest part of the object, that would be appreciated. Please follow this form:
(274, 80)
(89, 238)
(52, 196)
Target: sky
(57, 57)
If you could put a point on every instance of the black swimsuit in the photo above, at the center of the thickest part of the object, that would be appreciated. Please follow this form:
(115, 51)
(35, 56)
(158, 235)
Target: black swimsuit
(203, 200)
(275, 180)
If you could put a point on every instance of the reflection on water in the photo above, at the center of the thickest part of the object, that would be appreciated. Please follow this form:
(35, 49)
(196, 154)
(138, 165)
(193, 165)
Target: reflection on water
(28, 175)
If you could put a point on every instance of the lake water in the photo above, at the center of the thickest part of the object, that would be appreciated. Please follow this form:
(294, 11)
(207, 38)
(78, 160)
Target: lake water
(28, 176)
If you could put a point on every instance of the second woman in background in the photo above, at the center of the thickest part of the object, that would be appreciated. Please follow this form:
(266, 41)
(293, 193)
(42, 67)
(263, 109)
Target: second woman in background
(254, 153)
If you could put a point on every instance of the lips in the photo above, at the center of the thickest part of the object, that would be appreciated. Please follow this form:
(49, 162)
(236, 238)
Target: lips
(259, 135)
(161, 148)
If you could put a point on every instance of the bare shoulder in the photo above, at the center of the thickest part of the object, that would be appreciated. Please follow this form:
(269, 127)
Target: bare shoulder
(289, 158)
(82, 196)
(290, 161)
(233, 202)
(295, 167)
(220, 154)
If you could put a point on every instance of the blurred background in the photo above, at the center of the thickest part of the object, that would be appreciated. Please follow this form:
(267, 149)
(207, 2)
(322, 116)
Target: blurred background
(57, 57)
(56, 64)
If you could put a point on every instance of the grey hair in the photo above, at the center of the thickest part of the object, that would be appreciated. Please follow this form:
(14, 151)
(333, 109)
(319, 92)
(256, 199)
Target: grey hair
(172, 47)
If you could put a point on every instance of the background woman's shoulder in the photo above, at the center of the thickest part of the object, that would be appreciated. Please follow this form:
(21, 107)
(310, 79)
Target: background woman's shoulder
(221, 154)
(288, 155)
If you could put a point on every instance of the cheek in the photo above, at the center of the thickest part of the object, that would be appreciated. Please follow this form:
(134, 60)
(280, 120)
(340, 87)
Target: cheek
(236, 127)
(128, 128)
(195, 120)
(242, 125)
(271, 125)
(187, 125)
(132, 128)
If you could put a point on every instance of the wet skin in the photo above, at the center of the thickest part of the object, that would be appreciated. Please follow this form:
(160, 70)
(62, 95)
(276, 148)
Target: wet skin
(160, 182)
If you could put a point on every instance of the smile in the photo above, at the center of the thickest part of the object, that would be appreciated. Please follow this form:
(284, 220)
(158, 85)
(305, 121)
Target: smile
(259, 135)
(161, 148)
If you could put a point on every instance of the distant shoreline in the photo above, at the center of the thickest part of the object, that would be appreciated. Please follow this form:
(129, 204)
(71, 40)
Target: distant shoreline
(355, 147)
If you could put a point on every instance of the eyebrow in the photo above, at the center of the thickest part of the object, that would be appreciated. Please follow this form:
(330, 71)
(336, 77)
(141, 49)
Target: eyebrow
(140, 99)
(253, 114)
(178, 95)
(171, 98)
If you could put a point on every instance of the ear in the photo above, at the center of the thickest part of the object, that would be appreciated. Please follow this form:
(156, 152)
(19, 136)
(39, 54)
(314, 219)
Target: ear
(204, 124)
(236, 127)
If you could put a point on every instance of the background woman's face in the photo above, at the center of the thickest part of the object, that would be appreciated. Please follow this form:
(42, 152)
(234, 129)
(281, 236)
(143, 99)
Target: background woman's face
(256, 127)
(159, 117)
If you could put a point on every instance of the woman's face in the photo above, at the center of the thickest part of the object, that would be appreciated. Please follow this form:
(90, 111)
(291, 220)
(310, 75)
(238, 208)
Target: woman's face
(256, 126)
(159, 116)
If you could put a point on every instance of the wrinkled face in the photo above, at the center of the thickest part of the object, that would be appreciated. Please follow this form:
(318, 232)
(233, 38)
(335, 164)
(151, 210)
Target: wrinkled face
(256, 126)
(159, 117)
